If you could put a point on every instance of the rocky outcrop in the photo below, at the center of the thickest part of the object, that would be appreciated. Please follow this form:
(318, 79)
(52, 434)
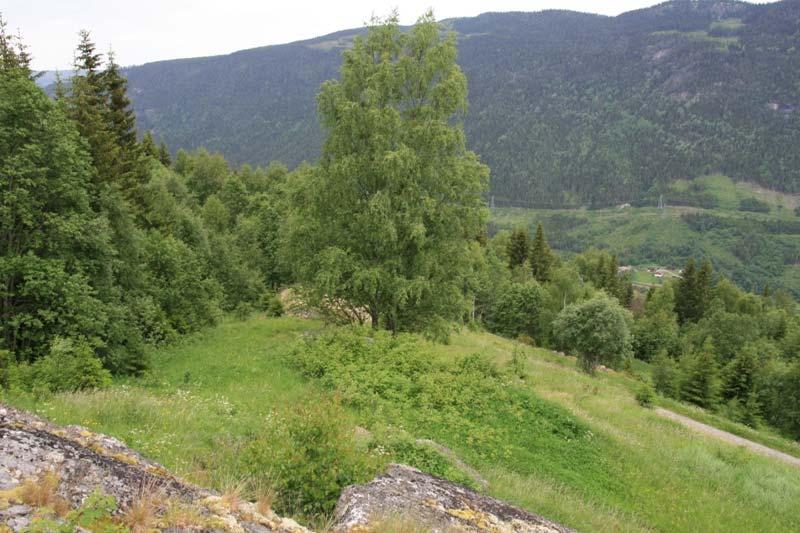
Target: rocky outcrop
(43, 466)
(405, 493)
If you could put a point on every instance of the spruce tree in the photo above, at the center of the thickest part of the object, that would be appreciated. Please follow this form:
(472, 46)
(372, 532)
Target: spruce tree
(700, 377)
(149, 145)
(88, 109)
(703, 289)
(163, 154)
(518, 246)
(541, 257)
(120, 115)
(686, 294)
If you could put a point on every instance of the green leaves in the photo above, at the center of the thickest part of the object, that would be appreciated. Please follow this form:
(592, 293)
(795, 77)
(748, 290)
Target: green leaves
(384, 222)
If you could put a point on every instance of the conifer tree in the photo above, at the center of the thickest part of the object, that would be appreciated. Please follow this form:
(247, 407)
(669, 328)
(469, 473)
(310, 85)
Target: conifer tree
(149, 145)
(121, 118)
(541, 257)
(13, 52)
(686, 293)
(704, 280)
(163, 154)
(88, 109)
(518, 246)
(700, 377)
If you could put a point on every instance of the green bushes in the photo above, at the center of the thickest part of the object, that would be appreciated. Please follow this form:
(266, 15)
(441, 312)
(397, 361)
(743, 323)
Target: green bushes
(69, 366)
(515, 311)
(311, 454)
(754, 205)
(467, 404)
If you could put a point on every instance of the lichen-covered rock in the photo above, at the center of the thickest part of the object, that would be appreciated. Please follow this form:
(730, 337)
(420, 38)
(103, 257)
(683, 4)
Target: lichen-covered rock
(405, 492)
(78, 462)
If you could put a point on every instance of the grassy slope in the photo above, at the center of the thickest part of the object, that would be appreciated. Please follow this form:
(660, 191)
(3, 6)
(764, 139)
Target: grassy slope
(663, 235)
(216, 389)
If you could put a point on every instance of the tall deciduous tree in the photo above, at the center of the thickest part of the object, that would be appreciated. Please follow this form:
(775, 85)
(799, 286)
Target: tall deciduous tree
(384, 223)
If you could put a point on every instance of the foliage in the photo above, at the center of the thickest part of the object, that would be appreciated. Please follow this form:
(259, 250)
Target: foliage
(312, 455)
(754, 205)
(272, 305)
(516, 310)
(644, 395)
(700, 384)
(541, 258)
(384, 223)
(628, 481)
(596, 330)
(465, 403)
(518, 248)
(69, 366)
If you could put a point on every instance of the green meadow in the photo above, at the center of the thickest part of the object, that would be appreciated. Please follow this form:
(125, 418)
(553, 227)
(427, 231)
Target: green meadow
(231, 406)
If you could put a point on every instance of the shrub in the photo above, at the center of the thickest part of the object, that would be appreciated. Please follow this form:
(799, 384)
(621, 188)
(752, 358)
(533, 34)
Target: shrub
(272, 305)
(515, 311)
(754, 205)
(644, 395)
(312, 455)
(242, 311)
(69, 366)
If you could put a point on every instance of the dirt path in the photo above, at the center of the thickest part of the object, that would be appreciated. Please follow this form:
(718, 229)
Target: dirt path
(727, 437)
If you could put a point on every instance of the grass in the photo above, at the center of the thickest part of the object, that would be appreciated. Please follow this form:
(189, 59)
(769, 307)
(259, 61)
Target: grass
(218, 392)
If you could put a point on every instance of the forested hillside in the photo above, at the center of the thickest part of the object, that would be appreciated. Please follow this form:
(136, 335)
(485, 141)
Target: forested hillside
(565, 108)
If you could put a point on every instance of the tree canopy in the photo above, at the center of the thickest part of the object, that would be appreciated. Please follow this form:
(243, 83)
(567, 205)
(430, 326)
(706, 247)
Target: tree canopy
(385, 222)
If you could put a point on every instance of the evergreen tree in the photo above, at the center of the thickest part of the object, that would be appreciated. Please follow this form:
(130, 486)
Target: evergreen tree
(686, 294)
(739, 377)
(13, 52)
(703, 289)
(163, 154)
(518, 246)
(700, 384)
(149, 145)
(53, 246)
(541, 257)
(121, 119)
(88, 109)
(665, 375)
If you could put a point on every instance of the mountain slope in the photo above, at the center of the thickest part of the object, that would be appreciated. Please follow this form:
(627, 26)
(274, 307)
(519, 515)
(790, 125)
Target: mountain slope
(566, 108)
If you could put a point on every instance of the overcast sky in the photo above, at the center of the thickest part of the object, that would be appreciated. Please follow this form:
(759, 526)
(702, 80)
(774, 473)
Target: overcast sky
(140, 31)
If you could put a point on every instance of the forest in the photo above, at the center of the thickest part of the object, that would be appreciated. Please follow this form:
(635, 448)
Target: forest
(567, 108)
(112, 248)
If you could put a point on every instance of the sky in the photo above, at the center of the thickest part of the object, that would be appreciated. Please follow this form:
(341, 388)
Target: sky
(141, 31)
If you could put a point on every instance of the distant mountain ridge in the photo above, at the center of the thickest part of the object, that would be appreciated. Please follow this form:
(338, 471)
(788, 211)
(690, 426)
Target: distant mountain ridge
(567, 108)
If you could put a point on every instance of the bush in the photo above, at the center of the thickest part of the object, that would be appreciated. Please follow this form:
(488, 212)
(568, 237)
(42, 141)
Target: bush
(515, 311)
(311, 453)
(644, 395)
(242, 311)
(69, 366)
(272, 305)
(754, 205)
